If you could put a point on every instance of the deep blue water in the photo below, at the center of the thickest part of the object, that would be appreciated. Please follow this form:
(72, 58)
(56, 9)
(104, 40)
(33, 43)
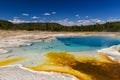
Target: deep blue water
(69, 44)
(92, 41)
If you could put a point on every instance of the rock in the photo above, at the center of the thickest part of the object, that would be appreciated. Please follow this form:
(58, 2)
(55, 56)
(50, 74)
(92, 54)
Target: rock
(17, 72)
(3, 51)
(113, 52)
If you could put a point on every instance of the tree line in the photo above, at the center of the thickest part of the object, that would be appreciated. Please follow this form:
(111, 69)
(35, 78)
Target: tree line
(106, 27)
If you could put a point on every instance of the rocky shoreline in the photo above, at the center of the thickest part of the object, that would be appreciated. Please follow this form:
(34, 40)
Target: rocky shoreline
(113, 52)
(17, 72)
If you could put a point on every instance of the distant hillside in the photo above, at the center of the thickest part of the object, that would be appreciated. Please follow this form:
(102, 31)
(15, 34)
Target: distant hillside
(107, 27)
(5, 24)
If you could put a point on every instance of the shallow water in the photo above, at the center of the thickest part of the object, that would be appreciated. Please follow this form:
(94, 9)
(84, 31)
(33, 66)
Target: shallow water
(69, 44)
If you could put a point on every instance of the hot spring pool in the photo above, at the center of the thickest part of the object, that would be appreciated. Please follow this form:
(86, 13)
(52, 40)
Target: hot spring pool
(69, 44)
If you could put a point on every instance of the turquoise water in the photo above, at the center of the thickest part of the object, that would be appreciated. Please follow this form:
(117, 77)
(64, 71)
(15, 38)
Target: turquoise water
(69, 44)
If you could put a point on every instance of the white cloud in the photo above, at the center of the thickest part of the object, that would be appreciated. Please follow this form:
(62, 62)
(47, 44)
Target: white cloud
(113, 19)
(16, 21)
(25, 14)
(78, 16)
(15, 17)
(41, 21)
(53, 12)
(67, 21)
(84, 22)
(34, 21)
(86, 16)
(97, 21)
(80, 22)
(46, 14)
(62, 22)
(35, 17)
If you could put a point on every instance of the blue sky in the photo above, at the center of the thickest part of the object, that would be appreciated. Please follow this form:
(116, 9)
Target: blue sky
(66, 12)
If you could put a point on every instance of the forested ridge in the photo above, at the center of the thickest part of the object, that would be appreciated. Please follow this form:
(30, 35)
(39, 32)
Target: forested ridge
(106, 27)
